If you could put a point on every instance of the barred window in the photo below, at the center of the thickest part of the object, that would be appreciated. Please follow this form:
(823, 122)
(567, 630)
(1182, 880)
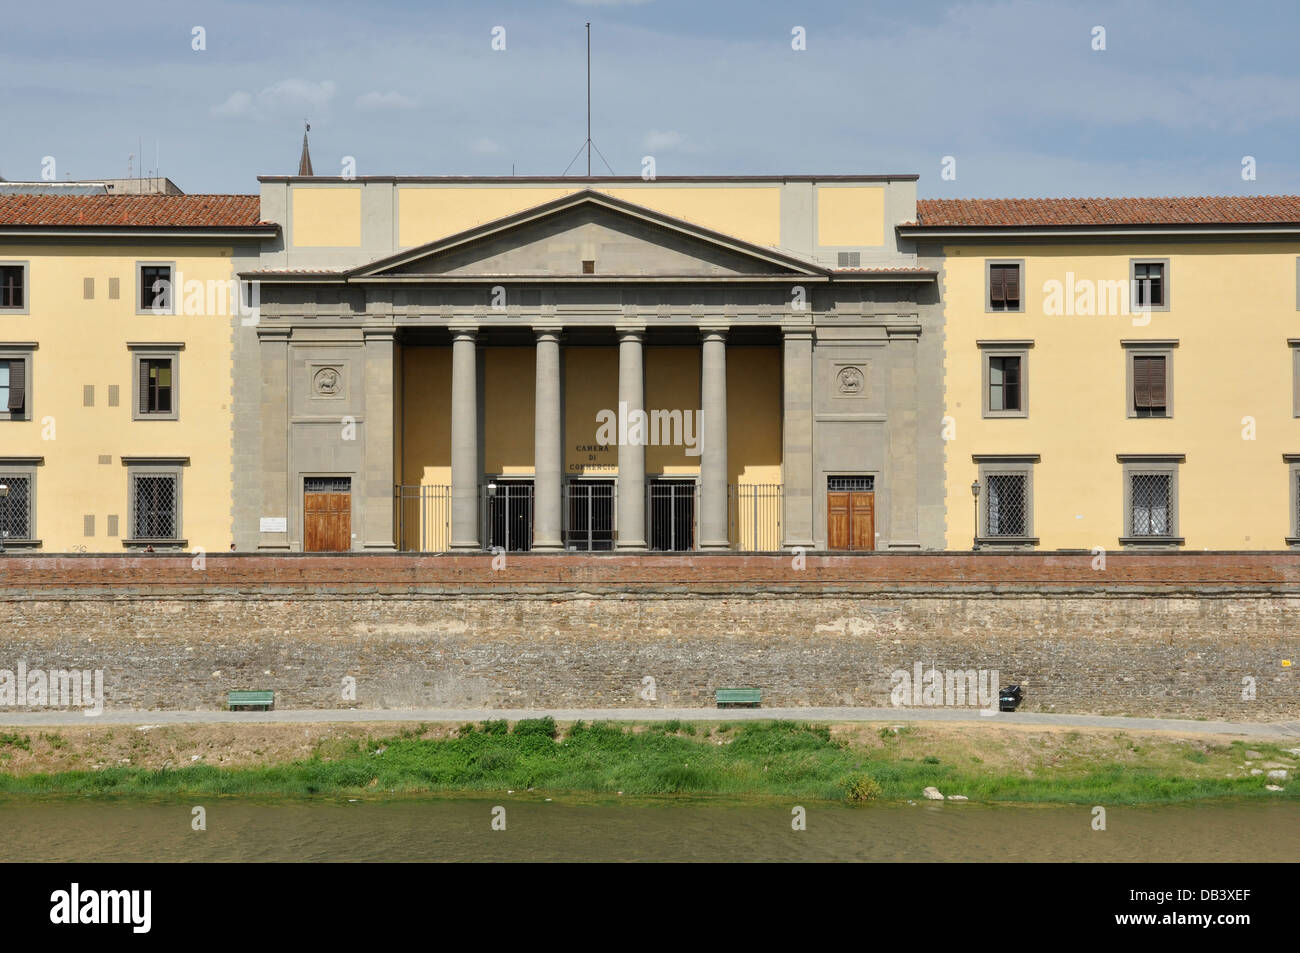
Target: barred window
(1005, 506)
(1151, 499)
(154, 506)
(15, 508)
(851, 484)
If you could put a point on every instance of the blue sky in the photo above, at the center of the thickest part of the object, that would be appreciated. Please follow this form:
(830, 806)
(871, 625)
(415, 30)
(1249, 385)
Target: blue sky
(1013, 90)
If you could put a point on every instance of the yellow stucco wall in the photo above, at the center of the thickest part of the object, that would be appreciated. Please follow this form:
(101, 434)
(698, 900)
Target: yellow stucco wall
(590, 385)
(672, 382)
(84, 342)
(326, 217)
(850, 215)
(753, 415)
(1232, 308)
(427, 214)
(509, 396)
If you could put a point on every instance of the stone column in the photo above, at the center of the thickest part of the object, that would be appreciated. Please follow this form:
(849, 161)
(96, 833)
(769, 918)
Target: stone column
(276, 502)
(377, 477)
(797, 438)
(548, 445)
(630, 513)
(904, 515)
(465, 474)
(713, 441)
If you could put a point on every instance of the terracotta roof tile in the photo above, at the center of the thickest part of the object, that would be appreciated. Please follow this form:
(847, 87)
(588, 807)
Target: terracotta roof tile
(138, 211)
(1194, 210)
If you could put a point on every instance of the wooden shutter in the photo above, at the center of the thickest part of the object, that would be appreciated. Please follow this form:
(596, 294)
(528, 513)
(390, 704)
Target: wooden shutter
(1011, 283)
(1149, 382)
(142, 366)
(17, 385)
(997, 291)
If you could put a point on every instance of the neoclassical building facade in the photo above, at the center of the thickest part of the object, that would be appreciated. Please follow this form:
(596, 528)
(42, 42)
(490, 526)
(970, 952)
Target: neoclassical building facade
(558, 364)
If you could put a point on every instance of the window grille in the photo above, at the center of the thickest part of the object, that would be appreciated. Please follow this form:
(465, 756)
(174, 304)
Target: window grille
(851, 484)
(672, 515)
(589, 515)
(155, 507)
(1150, 502)
(1005, 508)
(15, 509)
(328, 484)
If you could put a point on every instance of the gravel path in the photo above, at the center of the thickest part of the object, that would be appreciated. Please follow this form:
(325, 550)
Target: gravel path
(1285, 729)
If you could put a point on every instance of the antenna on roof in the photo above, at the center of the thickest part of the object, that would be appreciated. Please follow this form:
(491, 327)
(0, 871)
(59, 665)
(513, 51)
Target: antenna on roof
(588, 145)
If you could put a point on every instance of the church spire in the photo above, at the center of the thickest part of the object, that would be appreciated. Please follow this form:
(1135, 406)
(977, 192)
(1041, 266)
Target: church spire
(304, 163)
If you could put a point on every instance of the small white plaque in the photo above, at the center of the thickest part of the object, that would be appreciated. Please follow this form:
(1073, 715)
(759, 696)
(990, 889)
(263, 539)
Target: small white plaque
(275, 524)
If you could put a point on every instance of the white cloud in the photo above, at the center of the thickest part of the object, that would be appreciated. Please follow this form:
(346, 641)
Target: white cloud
(288, 95)
(389, 100)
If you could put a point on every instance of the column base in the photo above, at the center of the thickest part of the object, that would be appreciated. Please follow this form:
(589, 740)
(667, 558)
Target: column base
(715, 547)
(632, 546)
(547, 548)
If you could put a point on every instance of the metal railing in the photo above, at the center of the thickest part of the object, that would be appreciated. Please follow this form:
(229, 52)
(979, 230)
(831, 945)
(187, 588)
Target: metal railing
(423, 517)
(754, 517)
(589, 515)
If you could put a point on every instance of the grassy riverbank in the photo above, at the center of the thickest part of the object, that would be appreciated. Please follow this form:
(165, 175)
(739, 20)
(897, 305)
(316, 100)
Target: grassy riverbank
(855, 762)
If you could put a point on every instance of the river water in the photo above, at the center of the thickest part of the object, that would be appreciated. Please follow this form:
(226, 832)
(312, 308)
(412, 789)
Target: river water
(583, 829)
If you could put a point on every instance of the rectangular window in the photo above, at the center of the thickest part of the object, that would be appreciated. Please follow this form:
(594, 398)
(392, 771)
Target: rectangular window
(16, 507)
(14, 388)
(155, 506)
(1151, 504)
(1004, 286)
(672, 515)
(1149, 283)
(155, 386)
(1150, 385)
(155, 371)
(155, 284)
(590, 515)
(1004, 383)
(1005, 504)
(13, 287)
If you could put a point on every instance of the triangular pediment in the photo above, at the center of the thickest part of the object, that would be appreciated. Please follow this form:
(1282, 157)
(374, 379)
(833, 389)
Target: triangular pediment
(619, 238)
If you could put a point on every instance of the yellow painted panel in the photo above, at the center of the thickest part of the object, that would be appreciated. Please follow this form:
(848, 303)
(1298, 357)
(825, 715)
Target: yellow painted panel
(426, 415)
(82, 343)
(850, 215)
(672, 383)
(1232, 308)
(427, 214)
(590, 385)
(509, 394)
(326, 217)
(753, 415)
(750, 213)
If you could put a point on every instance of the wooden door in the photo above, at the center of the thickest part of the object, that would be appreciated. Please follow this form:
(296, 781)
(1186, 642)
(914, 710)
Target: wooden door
(851, 520)
(327, 522)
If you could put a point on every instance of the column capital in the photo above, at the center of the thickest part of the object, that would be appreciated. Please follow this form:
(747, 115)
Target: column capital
(714, 333)
(548, 333)
(463, 332)
(806, 332)
(629, 332)
(379, 334)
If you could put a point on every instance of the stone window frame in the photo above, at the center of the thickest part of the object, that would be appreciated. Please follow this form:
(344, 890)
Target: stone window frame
(26, 266)
(989, 349)
(1024, 285)
(159, 351)
(24, 467)
(1292, 460)
(1013, 464)
(155, 466)
(1149, 348)
(1133, 286)
(21, 351)
(139, 286)
(1294, 344)
(1137, 464)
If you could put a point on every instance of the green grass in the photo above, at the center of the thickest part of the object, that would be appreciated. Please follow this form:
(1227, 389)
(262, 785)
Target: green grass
(672, 758)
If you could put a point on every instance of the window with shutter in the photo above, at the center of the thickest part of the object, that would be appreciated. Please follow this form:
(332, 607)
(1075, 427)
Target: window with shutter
(1004, 287)
(17, 387)
(1150, 385)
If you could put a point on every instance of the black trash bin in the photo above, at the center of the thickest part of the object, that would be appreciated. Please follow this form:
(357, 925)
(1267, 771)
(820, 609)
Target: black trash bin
(1010, 697)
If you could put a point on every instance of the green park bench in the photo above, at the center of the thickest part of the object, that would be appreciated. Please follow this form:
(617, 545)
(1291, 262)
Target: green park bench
(263, 700)
(739, 697)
